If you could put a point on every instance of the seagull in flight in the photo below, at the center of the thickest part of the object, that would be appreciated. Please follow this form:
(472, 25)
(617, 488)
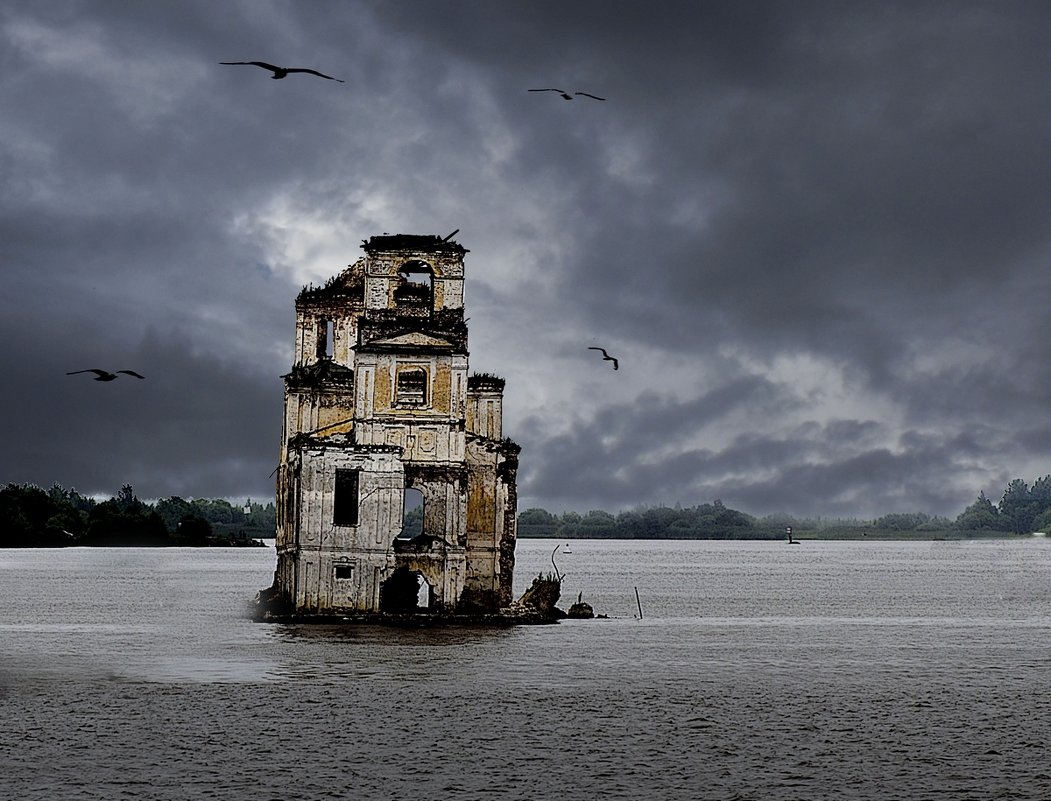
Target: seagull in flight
(607, 357)
(281, 72)
(567, 95)
(105, 375)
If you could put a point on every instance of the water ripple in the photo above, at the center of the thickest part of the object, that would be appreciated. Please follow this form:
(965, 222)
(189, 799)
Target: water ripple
(858, 671)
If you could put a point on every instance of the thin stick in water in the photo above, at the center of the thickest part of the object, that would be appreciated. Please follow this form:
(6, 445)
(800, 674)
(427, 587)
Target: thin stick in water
(637, 601)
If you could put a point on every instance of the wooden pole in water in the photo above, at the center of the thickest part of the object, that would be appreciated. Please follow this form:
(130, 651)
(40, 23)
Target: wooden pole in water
(637, 601)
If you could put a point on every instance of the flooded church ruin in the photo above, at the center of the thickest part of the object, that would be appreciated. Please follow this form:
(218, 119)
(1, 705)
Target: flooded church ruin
(380, 408)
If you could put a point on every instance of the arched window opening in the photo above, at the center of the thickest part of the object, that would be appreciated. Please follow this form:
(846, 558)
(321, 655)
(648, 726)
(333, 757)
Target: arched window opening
(415, 289)
(412, 519)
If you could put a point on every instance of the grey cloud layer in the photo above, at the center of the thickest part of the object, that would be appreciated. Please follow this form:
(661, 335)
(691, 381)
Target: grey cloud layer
(858, 189)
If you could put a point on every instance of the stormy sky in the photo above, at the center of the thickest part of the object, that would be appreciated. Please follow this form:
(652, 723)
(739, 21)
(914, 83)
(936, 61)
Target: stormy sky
(816, 235)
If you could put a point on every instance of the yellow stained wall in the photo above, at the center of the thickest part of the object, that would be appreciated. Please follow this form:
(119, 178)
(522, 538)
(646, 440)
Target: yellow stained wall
(335, 421)
(383, 393)
(481, 503)
(442, 399)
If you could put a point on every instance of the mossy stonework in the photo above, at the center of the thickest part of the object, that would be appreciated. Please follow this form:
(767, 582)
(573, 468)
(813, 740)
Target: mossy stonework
(379, 405)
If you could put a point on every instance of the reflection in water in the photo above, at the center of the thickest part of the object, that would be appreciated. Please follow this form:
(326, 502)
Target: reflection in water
(387, 636)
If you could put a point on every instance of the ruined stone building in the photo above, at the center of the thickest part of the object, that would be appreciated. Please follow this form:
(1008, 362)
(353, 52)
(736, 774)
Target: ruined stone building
(379, 404)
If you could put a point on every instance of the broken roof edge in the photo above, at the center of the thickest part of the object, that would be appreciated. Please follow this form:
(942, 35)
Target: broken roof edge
(430, 243)
(504, 445)
(324, 370)
(485, 381)
(349, 282)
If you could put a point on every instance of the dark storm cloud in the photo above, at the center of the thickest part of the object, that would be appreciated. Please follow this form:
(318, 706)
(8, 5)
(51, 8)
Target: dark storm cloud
(814, 233)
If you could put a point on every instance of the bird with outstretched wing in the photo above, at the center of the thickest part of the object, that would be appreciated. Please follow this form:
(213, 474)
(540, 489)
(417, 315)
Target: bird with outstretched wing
(566, 95)
(281, 72)
(607, 357)
(106, 375)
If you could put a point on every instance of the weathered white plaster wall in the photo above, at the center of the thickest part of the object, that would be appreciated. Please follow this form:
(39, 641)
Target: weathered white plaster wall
(367, 546)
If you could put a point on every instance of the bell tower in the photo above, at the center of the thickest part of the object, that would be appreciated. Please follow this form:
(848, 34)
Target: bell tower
(379, 401)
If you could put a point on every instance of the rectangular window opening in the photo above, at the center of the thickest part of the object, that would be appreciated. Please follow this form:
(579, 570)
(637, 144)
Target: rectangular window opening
(411, 387)
(345, 502)
(325, 338)
(344, 571)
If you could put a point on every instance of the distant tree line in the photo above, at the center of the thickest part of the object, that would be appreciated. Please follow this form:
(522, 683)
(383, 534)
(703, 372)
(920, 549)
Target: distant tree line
(1022, 510)
(707, 521)
(31, 517)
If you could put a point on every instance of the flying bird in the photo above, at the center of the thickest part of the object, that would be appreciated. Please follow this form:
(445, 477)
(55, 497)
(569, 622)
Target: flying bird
(607, 357)
(567, 95)
(105, 375)
(281, 72)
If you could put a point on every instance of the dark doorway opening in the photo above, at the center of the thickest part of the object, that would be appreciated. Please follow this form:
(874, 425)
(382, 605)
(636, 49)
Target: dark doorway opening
(406, 592)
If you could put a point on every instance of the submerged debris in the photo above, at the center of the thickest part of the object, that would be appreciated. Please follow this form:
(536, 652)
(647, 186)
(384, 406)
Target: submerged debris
(542, 596)
(581, 610)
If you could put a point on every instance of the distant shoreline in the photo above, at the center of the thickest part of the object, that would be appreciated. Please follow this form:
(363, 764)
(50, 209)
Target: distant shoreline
(812, 536)
(53, 547)
(831, 535)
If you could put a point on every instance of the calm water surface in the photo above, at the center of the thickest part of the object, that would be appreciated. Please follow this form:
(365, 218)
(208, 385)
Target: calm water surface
(828, 670)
